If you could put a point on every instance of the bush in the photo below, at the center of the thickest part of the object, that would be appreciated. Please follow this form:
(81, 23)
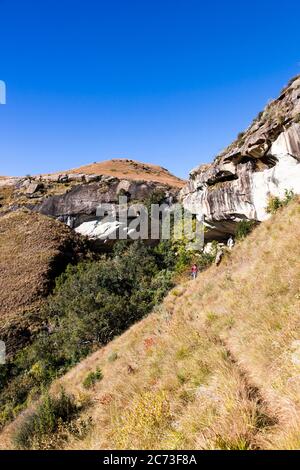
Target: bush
(161, 284)
(92, 378)
(96, 301)
(276, 203)
(112, 357)
(45, 420)
(244, 228)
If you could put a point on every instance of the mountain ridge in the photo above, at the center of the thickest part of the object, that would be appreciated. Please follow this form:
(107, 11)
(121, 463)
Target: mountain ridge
(122, 168)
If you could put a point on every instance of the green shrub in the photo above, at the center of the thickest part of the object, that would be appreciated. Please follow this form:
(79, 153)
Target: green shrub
(161, 284)
(244, 227)
(45, 420)
(157, 197)
(112, 357)
(96, 301)
(92, 378)
(276, 203)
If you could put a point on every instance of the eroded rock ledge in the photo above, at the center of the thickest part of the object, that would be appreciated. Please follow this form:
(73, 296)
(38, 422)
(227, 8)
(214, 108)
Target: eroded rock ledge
(264, 161)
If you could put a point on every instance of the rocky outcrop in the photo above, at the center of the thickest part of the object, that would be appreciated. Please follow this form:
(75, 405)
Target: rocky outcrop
(73, 197)
(6, 181)
(83, 200)
(264, 161)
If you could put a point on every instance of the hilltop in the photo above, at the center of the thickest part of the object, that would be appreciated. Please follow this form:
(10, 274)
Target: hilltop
(131, 170)
(216, 366)
(74, 196)
(122, 169)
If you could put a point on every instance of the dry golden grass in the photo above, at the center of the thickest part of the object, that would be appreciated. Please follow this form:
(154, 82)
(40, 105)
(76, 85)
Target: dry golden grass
(6, 197)
(33, 250)
(131, 169)
(29, 246)
(217, 366)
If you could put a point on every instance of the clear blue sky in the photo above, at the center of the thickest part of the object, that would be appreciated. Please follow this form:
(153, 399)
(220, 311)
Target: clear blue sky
(164, 81)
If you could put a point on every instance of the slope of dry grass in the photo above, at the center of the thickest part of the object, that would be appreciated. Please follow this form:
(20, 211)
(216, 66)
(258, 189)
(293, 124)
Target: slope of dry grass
(33, 250)
(217, 366)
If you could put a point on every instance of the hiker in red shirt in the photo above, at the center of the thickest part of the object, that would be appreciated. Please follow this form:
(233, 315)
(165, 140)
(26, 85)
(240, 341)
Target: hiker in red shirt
(194, 271)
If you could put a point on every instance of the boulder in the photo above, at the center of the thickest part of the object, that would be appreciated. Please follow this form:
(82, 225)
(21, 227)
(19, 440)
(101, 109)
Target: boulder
(33, 187)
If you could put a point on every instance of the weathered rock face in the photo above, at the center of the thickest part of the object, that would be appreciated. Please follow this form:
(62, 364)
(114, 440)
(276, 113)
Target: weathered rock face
(264, 161)
(74, 197)
(78, 206)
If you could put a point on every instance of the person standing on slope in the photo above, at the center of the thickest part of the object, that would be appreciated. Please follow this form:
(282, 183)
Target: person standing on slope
(230, 243)
(194, 271)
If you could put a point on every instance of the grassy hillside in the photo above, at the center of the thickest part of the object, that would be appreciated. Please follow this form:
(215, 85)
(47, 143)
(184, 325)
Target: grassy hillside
(33, 251)
(215, 367)
(131, 170)
(125, 169)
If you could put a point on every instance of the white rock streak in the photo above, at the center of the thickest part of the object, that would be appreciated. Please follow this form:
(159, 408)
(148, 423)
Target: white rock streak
(285, 175)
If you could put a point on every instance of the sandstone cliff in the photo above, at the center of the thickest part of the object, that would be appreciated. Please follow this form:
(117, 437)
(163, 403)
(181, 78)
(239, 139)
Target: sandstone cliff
(74, 196)
(264, 161)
